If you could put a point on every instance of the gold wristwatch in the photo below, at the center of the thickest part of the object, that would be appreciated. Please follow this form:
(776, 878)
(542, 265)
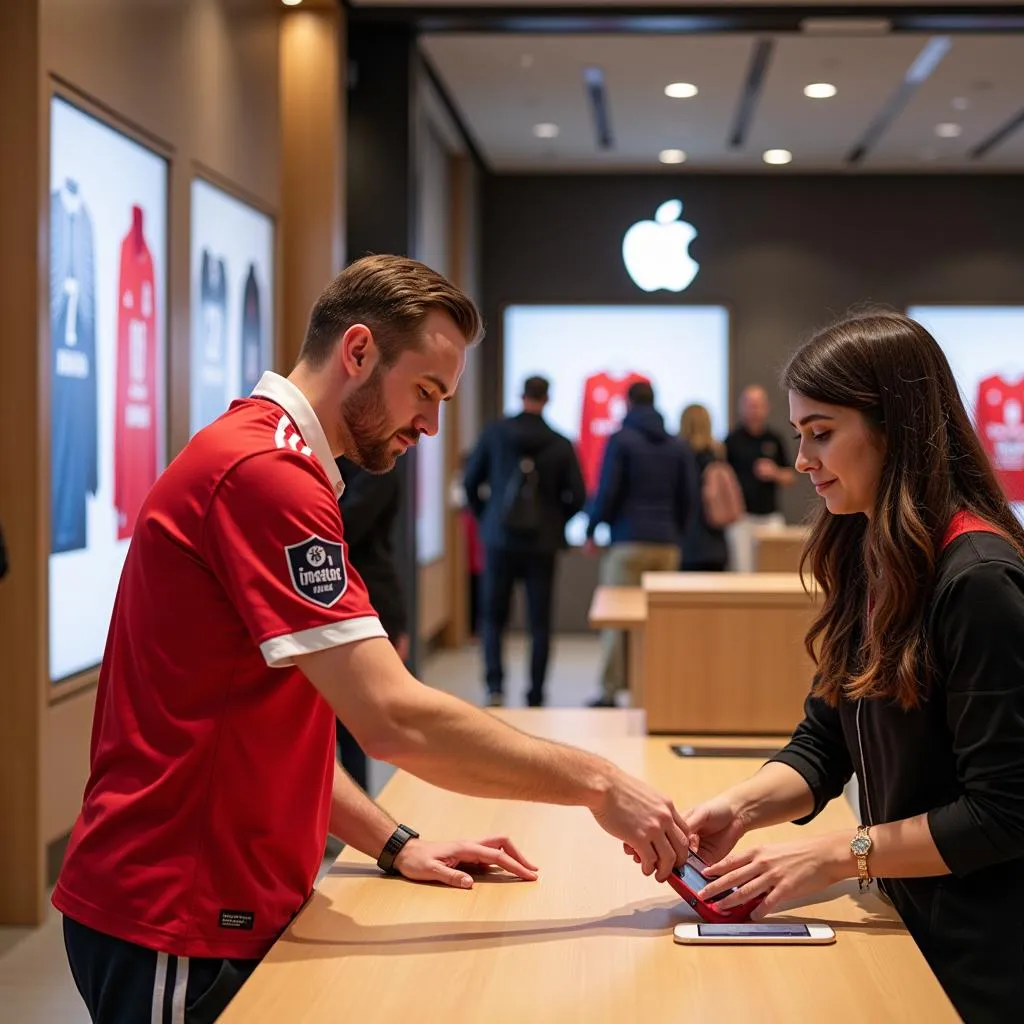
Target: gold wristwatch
(860, 847)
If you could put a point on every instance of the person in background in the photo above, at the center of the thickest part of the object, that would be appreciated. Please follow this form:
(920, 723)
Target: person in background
(646, 495)
(919, 688)
(523, 483)
(704, 545)
(758, 456)
(370, 505)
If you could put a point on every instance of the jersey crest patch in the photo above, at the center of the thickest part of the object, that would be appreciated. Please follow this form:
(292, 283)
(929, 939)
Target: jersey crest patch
(317, 568)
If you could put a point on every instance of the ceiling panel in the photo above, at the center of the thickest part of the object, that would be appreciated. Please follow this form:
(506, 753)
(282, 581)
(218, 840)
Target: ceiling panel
(820, 133)
(504, 84)
(985, 71)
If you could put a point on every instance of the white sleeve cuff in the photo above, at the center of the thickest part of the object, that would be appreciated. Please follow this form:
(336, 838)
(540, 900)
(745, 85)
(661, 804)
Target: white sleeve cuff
(281, 651)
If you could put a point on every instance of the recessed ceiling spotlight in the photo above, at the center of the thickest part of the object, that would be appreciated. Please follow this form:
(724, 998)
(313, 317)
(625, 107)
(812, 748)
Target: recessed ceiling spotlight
(960, 103)
(672, 156)
(681, 90)
(777, 156)
(291, 3)
(820, 91)
(948, 130)
(545, 130)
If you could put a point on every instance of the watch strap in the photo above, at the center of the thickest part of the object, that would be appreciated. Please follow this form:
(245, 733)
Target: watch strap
(864, 878)
(393, 847)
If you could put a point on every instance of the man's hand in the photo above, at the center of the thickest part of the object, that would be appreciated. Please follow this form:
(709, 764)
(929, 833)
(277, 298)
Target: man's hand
(590, 547)
(765, 469)
(647, 823)
(780, 873)
(421, 861)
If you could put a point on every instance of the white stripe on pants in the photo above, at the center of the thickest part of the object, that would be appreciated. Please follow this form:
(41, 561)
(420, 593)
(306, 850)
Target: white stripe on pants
(160, 990)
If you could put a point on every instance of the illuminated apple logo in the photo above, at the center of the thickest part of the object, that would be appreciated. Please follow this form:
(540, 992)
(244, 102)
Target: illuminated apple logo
(656, 252)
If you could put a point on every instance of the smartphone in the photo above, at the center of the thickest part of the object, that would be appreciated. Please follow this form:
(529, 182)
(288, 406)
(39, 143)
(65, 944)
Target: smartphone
(774, 933)
(689, 879)
(686, 750)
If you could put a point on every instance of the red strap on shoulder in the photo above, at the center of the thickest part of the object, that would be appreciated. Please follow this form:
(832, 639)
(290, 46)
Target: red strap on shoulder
(966, 522)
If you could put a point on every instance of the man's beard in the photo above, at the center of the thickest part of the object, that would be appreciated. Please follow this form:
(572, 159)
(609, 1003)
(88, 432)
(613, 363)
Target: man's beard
(366, 416)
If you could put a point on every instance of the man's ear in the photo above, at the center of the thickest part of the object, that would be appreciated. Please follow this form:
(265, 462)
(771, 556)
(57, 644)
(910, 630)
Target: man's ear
(358, 351)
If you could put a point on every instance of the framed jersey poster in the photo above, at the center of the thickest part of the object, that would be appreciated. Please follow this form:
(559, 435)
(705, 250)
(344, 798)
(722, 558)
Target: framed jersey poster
(592, 354)
(108, 288)
(985, 349)
(232, 259)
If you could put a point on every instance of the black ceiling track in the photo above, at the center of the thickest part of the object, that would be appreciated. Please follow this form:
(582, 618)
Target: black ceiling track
(640, 19)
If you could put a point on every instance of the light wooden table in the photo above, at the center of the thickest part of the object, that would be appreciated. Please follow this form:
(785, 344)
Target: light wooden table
(724, 652)
(590, 942)
(778, 549)
(624, 608)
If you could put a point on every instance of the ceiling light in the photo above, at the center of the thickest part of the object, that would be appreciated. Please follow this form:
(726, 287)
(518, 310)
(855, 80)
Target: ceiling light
(681, 90)
(777, 156)
(948, 130)
(291, 3)
(672, 156)
(820, 91)
(545, 130)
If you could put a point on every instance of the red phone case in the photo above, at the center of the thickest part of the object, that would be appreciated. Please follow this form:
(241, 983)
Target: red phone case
(707, 911)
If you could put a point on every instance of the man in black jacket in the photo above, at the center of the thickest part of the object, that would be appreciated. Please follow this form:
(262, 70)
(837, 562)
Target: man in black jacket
(534, 487)
(370, 505)
(646, 495)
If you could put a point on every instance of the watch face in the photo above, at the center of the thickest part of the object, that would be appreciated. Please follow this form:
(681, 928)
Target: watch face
(861, 846)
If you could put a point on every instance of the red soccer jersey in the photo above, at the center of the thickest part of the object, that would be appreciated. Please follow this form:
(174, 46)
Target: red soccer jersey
(1000, 426)
(604, 406)
(135, 425)
(212, 759)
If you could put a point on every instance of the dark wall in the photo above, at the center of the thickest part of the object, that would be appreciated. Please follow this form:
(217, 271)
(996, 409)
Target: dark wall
(784, 253)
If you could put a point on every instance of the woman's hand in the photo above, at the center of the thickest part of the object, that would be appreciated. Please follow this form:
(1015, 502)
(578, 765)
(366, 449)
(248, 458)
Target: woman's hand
(718, 825)
(421, 861)
(780, 873)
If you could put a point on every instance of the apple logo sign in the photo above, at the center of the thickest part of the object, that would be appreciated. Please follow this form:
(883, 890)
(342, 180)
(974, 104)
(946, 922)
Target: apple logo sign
(656, 252)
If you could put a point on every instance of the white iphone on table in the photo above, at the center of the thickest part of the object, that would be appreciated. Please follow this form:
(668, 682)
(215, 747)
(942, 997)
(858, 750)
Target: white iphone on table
(755, 933)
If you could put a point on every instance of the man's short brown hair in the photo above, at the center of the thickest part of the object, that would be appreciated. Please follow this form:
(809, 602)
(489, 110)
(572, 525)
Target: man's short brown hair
(392, 295)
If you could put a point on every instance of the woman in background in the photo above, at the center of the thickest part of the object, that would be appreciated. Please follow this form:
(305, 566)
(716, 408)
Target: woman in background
(704, 546)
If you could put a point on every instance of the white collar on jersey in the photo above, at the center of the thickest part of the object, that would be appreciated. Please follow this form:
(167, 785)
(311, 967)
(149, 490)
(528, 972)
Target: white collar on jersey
(284, 393)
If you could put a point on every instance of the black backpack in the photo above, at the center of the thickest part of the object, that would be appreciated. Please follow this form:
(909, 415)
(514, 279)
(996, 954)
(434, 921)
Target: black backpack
(522, 513)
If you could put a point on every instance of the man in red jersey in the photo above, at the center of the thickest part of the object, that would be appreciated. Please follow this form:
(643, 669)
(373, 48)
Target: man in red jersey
(239, 632)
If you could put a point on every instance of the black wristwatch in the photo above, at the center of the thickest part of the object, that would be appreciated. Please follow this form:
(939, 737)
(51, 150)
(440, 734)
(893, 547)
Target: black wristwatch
(393, 847)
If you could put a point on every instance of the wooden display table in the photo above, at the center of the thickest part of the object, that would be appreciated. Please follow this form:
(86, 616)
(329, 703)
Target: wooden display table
(778, 549)
(724, 652)
(624, 608)
(590, 942)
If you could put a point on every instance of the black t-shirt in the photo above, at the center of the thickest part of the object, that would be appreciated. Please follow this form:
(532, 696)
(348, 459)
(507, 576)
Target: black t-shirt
(743, 449)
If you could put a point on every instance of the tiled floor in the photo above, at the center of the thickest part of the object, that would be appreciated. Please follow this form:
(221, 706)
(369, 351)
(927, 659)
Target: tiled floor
(35, 985)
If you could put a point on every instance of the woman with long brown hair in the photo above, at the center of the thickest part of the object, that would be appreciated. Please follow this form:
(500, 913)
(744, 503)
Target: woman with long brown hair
(919, 690)
(704, 545)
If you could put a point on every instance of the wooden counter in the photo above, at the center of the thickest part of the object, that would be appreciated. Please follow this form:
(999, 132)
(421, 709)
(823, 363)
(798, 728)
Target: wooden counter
(624, 608)
(590, 942)
(724, 653)
(778, 549)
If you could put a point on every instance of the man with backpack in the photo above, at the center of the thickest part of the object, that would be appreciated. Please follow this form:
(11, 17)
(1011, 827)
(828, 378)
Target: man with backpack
(646, 495)
(523, 483)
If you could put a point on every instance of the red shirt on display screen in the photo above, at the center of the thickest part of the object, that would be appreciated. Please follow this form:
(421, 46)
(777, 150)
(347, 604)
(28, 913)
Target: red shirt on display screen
(212, 758)
(135, 423)
(604, 407)
(1000, 421)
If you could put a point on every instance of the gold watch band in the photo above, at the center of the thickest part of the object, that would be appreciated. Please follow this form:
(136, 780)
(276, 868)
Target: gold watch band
(864, 878)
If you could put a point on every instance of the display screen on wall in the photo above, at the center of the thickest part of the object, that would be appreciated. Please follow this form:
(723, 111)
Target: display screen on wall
(108, 232)
(985, 349)
(591, 355)
(232, 300)
(431, 494)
